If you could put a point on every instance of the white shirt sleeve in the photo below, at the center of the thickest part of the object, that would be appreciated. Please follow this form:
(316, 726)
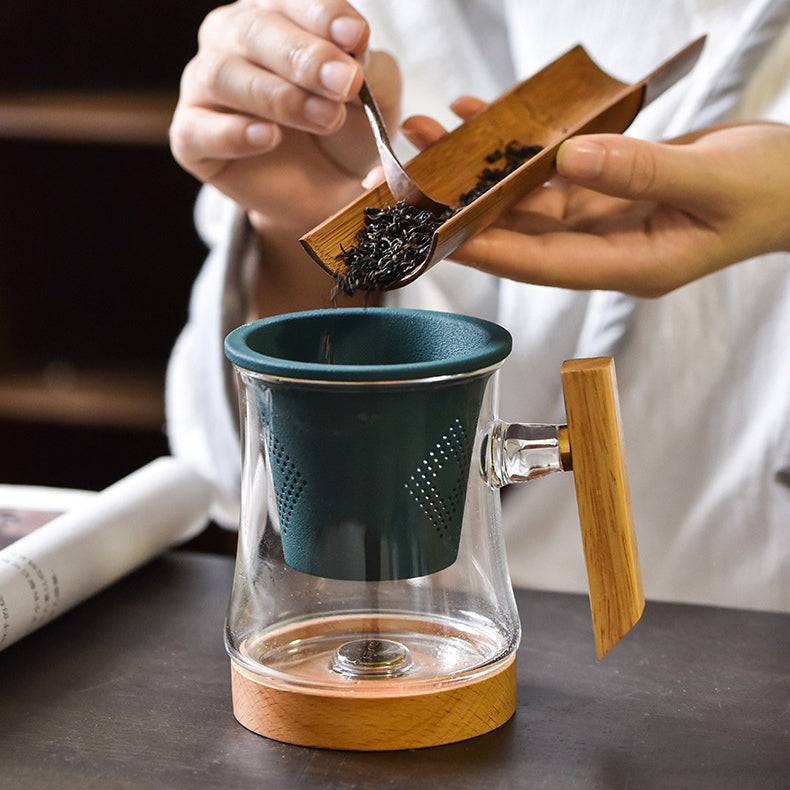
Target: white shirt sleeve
(200, 397)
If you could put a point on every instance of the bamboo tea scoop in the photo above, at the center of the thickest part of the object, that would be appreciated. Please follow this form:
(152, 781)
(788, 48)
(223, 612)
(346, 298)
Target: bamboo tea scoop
(570, 96)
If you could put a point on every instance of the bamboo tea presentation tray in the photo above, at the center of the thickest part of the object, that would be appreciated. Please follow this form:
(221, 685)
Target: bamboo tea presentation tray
(570, 96)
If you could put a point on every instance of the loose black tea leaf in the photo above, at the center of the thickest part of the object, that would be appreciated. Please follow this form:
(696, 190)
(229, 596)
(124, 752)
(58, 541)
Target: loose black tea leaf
(327, 353)
(392, 242)
(395, 239)
(514, 155)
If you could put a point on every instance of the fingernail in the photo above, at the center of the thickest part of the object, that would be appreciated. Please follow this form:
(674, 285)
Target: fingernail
(346, 31)
(321, 112)
(337, 77)
(581, 158)
(372, 179)
(261, 135)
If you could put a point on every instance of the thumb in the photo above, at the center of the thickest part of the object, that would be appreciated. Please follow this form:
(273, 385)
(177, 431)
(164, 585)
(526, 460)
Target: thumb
(635, 169)
(383, 78)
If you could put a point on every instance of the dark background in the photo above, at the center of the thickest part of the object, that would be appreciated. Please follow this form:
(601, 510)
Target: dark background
(95, 43)
(97, 246)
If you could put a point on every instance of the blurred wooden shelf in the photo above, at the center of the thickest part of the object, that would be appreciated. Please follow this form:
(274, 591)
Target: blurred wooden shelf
(95, 398)
(98, 250)
(117, 117)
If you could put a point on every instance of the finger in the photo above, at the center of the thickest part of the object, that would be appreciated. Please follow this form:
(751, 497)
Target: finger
(585, 260)
(639, 170)
(233, 83)
(373, 178)
(530, 222)
(550, 199)
(383, 77)
(509, 254)
(198, 135)
(421, 131)
(273, 42)
(467, 106)
(335, 20)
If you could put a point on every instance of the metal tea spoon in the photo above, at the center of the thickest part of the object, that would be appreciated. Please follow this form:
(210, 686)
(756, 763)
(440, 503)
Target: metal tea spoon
(401, 184)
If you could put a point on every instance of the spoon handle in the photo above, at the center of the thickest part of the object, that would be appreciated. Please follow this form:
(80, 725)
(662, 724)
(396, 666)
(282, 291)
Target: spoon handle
(401, 184)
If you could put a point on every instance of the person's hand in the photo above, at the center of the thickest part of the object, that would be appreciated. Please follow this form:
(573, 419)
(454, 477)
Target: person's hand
(639, 217)
(264, 111)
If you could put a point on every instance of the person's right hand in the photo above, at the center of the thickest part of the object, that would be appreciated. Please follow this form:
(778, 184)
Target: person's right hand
(264, 112)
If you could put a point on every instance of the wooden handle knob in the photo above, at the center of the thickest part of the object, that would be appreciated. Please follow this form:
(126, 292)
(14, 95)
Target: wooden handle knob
(594, 437)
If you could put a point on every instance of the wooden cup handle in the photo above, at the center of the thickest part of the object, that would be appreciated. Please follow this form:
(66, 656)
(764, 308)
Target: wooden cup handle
(592, 445)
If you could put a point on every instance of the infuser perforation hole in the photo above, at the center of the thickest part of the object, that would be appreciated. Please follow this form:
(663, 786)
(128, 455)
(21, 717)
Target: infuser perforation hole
(439, 480)
(289, 483)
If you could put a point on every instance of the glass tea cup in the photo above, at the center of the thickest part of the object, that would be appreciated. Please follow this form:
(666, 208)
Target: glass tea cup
(371, 570)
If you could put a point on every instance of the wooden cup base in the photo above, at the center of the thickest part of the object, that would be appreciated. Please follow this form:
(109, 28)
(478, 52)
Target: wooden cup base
(369, 723)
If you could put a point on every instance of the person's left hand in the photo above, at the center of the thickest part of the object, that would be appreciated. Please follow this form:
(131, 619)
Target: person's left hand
(639, 217)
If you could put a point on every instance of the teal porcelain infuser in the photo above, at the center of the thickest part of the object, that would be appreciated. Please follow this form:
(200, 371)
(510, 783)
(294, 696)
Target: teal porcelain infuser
(371, 604)
(368, 419)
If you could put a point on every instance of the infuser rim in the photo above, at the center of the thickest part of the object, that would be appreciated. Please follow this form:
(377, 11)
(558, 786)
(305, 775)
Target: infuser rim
(370, 382)
(452, 345)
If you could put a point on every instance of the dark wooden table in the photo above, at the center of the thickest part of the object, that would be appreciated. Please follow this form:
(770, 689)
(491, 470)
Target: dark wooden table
(131, 689)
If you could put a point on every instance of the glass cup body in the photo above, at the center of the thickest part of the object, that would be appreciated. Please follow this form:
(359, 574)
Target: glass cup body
(373, 584)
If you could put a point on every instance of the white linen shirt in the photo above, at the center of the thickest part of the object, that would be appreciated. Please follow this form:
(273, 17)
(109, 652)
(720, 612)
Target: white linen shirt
(703, 373)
